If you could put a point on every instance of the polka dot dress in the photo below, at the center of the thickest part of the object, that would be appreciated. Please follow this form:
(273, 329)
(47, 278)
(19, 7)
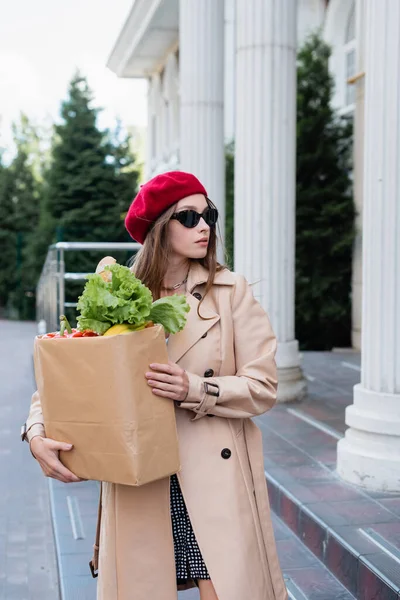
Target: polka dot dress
(188, 559)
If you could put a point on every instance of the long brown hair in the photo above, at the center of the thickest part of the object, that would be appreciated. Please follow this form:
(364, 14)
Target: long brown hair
(150, 264)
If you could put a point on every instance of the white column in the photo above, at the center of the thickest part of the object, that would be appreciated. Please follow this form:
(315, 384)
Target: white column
(265, 170)
(229, 70)
(201, 72)
(369, 455)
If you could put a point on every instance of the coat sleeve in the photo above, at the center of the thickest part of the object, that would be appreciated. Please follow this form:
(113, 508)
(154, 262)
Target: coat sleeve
(252, 391)
(35, 423)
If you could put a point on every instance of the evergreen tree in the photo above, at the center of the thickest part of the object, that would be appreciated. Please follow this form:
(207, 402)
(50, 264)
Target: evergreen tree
(7, 237)
(34, 140)
(90, 183)
(25, 188)
(325, 212)
(26, 193)
(32, 219)
(19, 214)
(229, 201)
(126, 176)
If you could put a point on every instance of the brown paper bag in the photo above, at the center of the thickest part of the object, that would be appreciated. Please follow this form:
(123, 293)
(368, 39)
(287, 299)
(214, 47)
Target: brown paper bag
(94, 395)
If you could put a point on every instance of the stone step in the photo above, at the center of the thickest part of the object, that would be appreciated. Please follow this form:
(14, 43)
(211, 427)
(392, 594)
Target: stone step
(354, 533)
(74, 513)
(306, 577)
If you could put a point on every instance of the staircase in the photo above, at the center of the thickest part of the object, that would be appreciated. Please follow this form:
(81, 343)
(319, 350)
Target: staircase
(335, 541)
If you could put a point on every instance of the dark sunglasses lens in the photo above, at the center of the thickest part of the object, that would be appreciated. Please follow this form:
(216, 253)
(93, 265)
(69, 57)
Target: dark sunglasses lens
(188, 218)
(210, 216)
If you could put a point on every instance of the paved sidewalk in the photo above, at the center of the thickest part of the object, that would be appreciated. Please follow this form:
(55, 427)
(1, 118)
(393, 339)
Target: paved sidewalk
(28, 568)
(28, 564)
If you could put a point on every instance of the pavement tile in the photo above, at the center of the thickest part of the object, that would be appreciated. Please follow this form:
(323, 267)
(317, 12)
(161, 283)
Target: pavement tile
(332, 490)
(387, 568)
(372, 587)
(312, 533)
(390, 531)
(192, 594)
(289, 512)
(288, 458)
(352, 537)
(16, 591)
(325, 455)
(75, 564)
(354, 512)
(342, 563)
(305, 473)
(75, 586)
(281, 531)
(26, 536)
(274, 497)
(318, 584)
(392, 504)
(294, 555)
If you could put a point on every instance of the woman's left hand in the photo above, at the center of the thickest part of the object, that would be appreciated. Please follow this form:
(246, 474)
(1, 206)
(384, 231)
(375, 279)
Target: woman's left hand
(169, 381)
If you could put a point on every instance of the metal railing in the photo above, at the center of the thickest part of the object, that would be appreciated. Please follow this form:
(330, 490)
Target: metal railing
(50, 292)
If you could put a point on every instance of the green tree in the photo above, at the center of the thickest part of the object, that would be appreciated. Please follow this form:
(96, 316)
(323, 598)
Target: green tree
(325, 212)
(90, 183)
(19, 201)
(26, 197)
(229, 201)
(34, 141)
(7, 236)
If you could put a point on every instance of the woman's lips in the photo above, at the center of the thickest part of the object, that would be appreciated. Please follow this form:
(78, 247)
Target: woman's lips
(203, 242)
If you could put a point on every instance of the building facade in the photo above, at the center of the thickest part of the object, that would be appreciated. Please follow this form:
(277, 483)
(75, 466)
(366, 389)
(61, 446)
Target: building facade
(226, 69)
(149, 47)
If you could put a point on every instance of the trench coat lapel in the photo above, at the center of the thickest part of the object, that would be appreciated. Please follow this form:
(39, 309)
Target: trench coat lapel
(195, 328)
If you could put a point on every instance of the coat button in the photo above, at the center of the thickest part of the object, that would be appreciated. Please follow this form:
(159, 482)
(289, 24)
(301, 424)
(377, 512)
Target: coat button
(197, 295)
(209, 373)
(226, 453)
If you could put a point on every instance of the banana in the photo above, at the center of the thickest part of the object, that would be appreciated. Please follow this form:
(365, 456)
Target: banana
(122, 329)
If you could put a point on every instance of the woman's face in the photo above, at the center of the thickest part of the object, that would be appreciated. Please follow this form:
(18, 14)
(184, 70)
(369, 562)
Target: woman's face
(185, 242)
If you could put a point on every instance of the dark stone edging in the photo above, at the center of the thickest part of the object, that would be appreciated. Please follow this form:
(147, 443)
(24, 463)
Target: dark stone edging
(359, 576)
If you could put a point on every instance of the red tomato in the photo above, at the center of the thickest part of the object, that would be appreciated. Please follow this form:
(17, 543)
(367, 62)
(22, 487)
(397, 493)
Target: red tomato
(66, 331)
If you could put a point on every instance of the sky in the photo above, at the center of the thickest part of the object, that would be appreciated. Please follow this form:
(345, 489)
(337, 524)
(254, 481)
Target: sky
(43, 42)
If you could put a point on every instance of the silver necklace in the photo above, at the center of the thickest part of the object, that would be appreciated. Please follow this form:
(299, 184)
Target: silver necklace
(176, 286)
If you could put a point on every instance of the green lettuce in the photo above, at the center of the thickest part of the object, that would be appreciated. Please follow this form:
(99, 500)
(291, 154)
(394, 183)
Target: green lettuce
(125, 299)
(170, 312)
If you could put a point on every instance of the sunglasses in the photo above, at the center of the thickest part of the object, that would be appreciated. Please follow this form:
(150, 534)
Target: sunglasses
(191, 218)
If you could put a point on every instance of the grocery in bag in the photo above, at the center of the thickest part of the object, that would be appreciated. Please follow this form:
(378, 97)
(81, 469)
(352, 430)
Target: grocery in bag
(92, 384)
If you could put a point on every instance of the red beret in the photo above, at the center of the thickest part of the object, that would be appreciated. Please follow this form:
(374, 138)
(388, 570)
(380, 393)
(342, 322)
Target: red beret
(155, 197)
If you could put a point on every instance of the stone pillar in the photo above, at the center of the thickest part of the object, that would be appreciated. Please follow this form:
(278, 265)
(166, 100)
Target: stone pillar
(201, 73)
(229, 70)
(265, 170)
(369, 455)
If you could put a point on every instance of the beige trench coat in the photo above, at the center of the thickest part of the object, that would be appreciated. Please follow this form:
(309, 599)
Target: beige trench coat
(222, 476)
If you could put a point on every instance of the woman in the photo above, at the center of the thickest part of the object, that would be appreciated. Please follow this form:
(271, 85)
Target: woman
(221, 373)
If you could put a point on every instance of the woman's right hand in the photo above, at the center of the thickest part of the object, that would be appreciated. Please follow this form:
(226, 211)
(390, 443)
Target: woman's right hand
(46, 452)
